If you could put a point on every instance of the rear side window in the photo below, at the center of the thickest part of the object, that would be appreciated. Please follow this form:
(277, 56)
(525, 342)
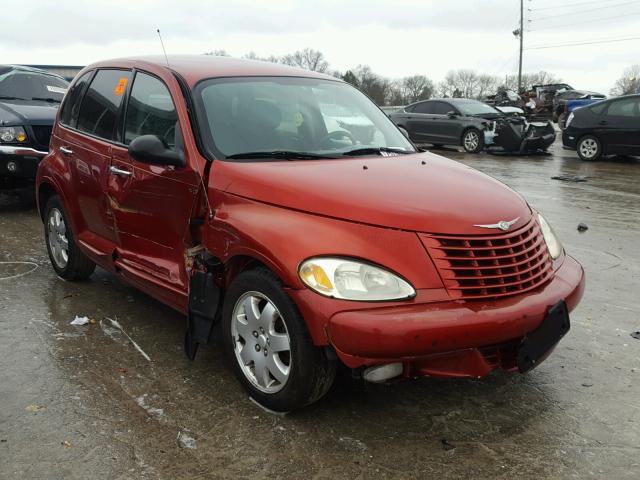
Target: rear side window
(151, 111)
(425, 107)
(623, 108)
(69, 112)
(100, 105)
(598, 108)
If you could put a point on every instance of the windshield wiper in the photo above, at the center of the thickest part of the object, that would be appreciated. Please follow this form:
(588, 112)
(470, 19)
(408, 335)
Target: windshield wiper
(375, 151)
(3, 97)
(47, 99)
(280, 154)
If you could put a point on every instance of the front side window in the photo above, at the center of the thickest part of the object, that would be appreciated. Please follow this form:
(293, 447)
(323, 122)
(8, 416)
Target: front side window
(151, 111)
(303, 115)
(19, 84)
(101, 104)
(442, 108)
(623, 108)
(69, 112)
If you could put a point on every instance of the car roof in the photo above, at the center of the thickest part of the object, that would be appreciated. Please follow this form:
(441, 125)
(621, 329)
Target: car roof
(194, 68)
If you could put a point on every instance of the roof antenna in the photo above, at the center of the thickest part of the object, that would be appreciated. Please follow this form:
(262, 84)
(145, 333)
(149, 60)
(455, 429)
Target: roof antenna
(162, 43)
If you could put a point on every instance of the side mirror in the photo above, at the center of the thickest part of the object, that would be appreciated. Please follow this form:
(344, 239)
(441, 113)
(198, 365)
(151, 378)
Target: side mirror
(452, 114)
(151, 149)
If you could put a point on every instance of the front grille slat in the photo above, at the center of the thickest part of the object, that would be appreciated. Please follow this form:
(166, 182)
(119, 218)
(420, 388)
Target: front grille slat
(491, 266)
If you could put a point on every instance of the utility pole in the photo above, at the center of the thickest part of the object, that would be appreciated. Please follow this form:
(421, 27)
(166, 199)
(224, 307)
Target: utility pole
(521, 43)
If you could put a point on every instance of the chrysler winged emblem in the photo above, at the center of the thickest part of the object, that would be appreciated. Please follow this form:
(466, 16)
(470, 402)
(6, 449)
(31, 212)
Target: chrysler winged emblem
(503, 225)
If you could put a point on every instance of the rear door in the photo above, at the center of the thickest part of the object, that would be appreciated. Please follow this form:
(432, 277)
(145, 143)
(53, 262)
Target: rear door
(420, 122)
(619, 127)
(86, 144)
(152, 204)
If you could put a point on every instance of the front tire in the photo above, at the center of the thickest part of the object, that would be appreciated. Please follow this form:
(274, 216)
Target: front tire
(472, 140)
(589, 148)
(267, 342)
(65, 256)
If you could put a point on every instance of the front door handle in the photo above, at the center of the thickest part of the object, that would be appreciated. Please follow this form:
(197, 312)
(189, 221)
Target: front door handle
(602, 122)
(118, 171)
(66, 151)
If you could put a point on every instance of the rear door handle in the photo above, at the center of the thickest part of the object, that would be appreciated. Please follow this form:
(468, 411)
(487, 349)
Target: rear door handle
(118, 171)
(66, 151)
(602, 122)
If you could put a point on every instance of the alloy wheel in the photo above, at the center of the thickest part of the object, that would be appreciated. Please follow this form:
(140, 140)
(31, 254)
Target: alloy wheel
(588, 148)
(57, 236)
(261, 341)
(471, 140)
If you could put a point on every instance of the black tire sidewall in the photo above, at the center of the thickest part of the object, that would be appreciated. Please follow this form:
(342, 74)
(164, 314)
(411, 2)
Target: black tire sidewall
(597, 156)
(69, 271)
(480, 140)
(298, 390)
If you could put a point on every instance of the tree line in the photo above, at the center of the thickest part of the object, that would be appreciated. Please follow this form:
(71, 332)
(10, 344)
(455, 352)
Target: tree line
(463, 83)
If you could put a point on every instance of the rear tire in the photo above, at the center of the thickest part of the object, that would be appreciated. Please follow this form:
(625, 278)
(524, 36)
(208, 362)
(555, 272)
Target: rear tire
(589, 148)
(267, 342)
(65, 256)
(472, 140)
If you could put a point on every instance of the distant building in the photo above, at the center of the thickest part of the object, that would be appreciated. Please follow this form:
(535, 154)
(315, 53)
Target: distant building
(66, 71)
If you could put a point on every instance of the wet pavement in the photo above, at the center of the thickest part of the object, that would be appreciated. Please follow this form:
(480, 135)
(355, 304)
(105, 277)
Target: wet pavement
(83, 402)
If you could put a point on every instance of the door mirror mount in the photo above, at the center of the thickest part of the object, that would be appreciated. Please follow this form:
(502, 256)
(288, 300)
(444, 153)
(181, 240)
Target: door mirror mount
(153, 150)
(452, 114)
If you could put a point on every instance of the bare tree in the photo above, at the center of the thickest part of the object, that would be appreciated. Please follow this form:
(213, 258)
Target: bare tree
(529, 79)
(416, 87)
(309, 59)
(487, 85)
(218, 53)
(629, 82)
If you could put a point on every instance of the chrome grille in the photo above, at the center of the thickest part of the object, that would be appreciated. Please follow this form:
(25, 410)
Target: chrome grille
(497, 265)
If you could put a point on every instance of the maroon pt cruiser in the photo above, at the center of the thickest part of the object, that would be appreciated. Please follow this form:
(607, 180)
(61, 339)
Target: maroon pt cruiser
(287, 206)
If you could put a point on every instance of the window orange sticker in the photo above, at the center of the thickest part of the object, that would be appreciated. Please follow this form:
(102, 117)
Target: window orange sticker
(122, 84)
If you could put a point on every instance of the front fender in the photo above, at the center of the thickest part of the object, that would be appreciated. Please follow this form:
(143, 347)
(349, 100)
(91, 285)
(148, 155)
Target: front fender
(282, 238)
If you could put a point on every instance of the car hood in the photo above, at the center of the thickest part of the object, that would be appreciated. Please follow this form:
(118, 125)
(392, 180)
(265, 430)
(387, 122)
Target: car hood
(418, 192)
(21, 112)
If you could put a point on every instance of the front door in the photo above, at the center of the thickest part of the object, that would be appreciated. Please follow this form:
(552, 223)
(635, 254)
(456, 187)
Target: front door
(152, 204)
(619, 127)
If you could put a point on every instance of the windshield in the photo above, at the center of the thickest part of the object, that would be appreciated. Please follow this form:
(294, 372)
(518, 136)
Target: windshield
(292, 115)
(29, 85)
(476, 108)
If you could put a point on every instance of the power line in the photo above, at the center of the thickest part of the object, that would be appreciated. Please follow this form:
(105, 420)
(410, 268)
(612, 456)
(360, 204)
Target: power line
(575, 44)
(574, 24)
(570, 5)
(582, 11)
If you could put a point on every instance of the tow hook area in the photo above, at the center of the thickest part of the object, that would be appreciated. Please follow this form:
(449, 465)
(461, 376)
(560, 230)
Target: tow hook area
(204, 300)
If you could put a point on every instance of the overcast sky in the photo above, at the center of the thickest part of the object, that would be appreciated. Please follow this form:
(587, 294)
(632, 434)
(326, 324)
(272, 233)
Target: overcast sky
(395, 37)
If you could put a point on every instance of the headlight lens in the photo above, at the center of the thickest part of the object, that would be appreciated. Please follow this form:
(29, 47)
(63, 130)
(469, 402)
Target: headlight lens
(12, 135)
(353, 280)
(569, 120)
(553, 244)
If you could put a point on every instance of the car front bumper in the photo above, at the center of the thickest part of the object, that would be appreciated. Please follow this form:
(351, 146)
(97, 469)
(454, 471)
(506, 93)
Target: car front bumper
(451, 339)
(569, 138)
(19, 163)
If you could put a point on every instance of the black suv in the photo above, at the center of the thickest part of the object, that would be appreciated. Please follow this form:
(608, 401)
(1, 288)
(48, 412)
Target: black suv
(29, 100)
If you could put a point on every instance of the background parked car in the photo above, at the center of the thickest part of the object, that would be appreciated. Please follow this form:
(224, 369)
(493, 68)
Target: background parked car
(451, 121)
(29, 100)
(560, 111)
(605, 128)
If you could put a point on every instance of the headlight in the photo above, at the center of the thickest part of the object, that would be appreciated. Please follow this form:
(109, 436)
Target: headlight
(568, 120)
(12, 135)
(353, 280)
(553, 244)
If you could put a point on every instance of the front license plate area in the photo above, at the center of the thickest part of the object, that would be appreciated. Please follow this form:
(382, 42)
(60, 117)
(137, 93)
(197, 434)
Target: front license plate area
(536, 345)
